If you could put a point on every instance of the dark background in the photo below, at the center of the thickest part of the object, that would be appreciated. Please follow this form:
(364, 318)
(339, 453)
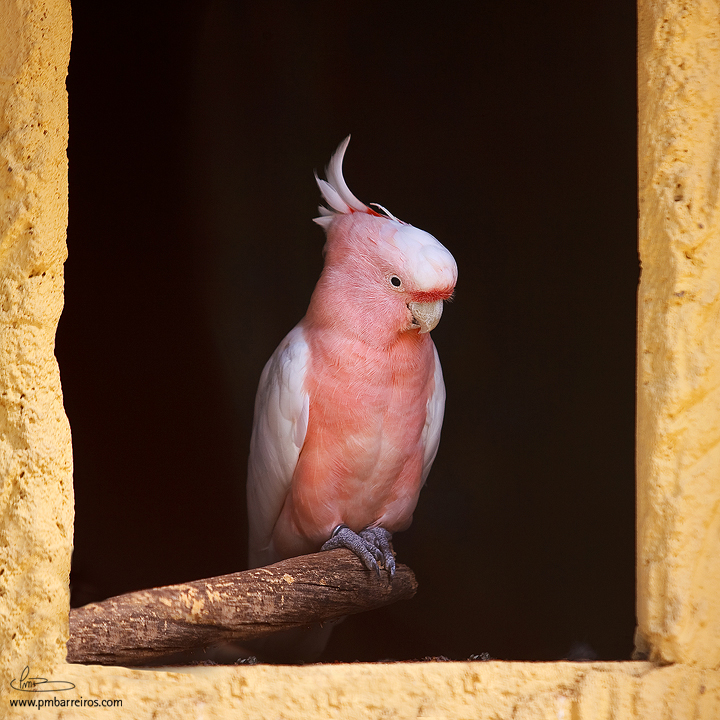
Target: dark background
(507, 130)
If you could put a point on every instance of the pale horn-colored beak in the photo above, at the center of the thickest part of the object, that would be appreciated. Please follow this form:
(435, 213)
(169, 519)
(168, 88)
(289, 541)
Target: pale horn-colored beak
(426, 315)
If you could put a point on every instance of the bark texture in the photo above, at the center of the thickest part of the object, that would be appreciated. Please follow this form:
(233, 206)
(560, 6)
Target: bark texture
(141, 627)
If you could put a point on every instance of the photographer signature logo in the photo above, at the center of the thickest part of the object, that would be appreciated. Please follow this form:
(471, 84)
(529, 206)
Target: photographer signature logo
(39, 684)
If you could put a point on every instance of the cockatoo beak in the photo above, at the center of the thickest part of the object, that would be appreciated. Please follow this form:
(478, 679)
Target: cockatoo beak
(426, 315)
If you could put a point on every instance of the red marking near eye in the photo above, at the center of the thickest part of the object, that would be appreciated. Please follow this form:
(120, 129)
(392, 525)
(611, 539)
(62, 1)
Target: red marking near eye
(432, 295)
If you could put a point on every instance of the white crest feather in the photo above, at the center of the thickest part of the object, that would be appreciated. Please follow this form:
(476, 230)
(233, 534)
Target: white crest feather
(335, 191)
(388, 213)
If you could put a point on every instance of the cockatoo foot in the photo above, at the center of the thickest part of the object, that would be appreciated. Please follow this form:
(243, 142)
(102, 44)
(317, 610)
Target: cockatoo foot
(382, 540)
(371, 545)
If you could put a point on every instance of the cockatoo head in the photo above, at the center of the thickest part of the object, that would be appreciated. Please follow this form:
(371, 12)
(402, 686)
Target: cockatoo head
(393, 268)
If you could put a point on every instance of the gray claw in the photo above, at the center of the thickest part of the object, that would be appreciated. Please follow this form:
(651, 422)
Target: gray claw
(382, 540)
(371, 545)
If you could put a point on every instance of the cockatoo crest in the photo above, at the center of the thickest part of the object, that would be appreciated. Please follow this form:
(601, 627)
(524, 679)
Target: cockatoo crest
(337, 195)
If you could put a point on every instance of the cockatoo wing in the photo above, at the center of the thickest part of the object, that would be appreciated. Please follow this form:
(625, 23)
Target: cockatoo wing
(433, 419)
(281, 418)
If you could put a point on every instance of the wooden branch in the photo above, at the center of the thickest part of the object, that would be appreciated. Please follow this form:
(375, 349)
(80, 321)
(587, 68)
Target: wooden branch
(139, 627)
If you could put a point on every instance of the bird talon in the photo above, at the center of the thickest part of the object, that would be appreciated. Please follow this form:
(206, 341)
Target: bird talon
(380, 539)
(372, 546)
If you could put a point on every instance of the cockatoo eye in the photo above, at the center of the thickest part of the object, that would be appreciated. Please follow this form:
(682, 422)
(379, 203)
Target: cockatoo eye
(395, 281)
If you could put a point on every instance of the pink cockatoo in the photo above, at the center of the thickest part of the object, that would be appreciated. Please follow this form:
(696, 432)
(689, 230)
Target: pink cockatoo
(350, 405)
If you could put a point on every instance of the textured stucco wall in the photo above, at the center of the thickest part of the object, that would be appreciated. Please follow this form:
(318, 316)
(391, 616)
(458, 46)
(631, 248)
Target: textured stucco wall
(678, 452)
(495, 690)
(36, 511)
(678, 527)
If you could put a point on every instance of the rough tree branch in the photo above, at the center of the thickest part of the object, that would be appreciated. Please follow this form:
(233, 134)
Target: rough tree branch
(139, 627)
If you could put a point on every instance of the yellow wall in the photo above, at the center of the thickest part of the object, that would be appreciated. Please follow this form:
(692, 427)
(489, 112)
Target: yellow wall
(36, 494)
(678, 429)
(678, 460)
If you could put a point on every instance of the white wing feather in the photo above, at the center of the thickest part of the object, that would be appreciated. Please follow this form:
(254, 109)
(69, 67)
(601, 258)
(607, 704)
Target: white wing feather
(434, 418)
(279, 428)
